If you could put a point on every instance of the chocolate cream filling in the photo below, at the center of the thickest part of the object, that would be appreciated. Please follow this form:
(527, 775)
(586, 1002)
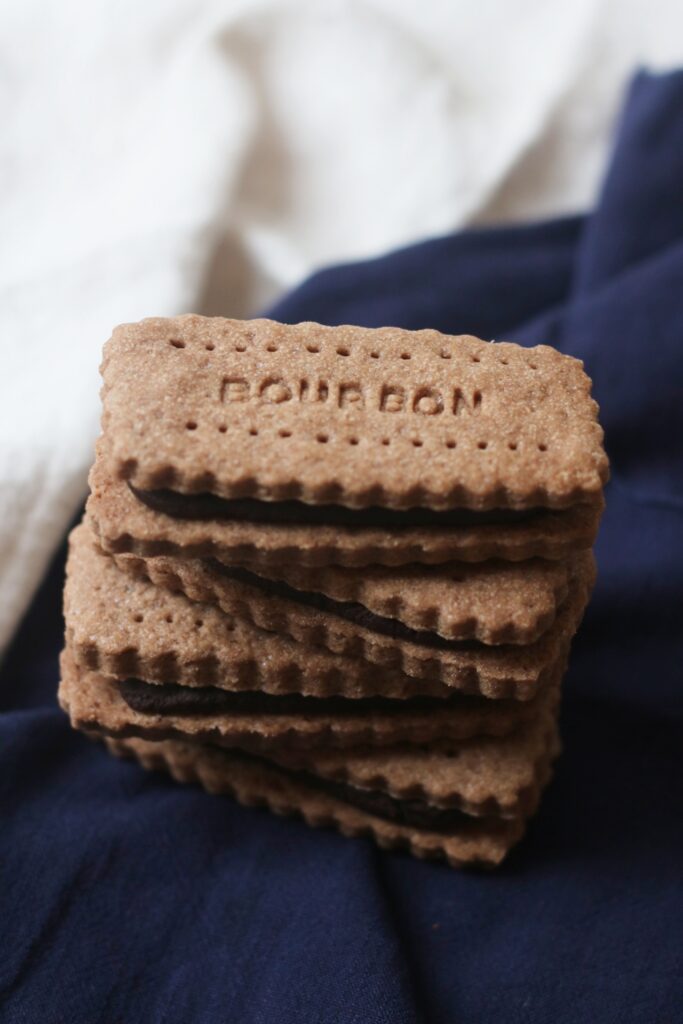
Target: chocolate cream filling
(299, 513)
(172, 699)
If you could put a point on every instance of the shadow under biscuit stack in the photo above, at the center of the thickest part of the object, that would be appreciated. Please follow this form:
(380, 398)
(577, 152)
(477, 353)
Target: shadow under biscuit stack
(337, 571)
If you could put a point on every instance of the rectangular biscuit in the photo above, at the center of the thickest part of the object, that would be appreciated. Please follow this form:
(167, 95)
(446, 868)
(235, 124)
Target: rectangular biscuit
(123, 523)
(128, 627)
(99, 703)
(492, 602)
(478, 841)
(494, 671)
(480, 775)
(347, 416)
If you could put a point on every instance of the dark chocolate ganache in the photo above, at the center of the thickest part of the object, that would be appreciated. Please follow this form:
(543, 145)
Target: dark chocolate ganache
(172, 699)
(299, 513)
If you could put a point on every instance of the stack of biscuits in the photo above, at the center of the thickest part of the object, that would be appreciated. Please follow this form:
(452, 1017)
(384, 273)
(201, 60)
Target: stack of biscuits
(337, 571)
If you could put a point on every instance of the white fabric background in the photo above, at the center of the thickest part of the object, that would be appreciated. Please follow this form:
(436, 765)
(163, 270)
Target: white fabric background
(169, 156)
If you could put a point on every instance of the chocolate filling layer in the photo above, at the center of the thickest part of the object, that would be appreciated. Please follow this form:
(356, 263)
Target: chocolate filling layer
(411, 813)
(351, 611)
(299, 513)
(172, 699)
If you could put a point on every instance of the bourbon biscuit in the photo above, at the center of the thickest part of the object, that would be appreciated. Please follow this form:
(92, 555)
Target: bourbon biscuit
(256, 415)
(129, 707)
(129, 628)
(124, 523)
(473, 841)
(493, 602)
(501, 671)
(481, 775)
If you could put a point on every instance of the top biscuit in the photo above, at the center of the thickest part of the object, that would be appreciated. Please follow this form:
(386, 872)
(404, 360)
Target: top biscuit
(347, 415)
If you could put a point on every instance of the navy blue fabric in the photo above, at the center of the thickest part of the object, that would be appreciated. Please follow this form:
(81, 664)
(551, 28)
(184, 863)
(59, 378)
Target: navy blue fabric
(124, 897)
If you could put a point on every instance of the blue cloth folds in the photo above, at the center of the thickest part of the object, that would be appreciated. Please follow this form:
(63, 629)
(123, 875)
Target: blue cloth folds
(125, 897)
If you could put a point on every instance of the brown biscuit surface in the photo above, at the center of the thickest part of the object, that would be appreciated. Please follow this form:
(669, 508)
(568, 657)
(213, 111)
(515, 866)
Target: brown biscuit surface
(128, 627)
(125, 524)
(347, 415)
(493, 602)
(480, 841)
(95, 703)
(495, 671)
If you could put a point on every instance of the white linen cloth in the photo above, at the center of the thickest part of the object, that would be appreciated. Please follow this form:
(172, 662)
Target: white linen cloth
(164, 156)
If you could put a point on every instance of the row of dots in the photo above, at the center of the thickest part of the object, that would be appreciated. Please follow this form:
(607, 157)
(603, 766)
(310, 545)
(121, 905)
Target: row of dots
(138, 617)
(386, 441)
(344, 351)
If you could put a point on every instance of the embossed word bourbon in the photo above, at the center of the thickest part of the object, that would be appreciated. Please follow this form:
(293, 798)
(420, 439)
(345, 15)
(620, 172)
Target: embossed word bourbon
(422, 400)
